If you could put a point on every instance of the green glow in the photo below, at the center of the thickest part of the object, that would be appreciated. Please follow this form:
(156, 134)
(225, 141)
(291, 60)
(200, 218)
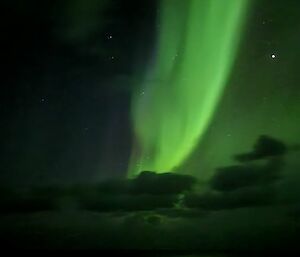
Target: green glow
(196, 48)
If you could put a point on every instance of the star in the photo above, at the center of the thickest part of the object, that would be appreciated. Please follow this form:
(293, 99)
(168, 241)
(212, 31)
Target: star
(273, 56)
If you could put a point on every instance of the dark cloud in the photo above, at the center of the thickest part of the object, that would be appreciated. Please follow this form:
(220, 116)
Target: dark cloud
(245, 197)
(249, 173)
(108, 203)
(24, 201)
(247, 184)
(189, 213)
(112, 186)
(166, 183)
(154, 219)
(239, 176)
(293, 211)
(265, 147)
(148, 191)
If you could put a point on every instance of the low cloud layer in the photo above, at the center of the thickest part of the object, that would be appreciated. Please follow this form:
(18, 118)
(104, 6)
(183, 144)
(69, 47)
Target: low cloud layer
(148, 191)
(245, 184)
(160, 211)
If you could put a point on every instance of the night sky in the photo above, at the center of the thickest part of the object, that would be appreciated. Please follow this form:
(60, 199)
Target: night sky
(69, 71)
(167, 124)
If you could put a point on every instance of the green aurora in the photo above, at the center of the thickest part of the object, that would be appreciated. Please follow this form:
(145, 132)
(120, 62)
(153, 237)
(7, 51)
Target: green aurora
(196, 48)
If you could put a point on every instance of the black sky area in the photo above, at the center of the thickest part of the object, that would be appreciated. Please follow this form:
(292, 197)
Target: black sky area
(65, 101)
